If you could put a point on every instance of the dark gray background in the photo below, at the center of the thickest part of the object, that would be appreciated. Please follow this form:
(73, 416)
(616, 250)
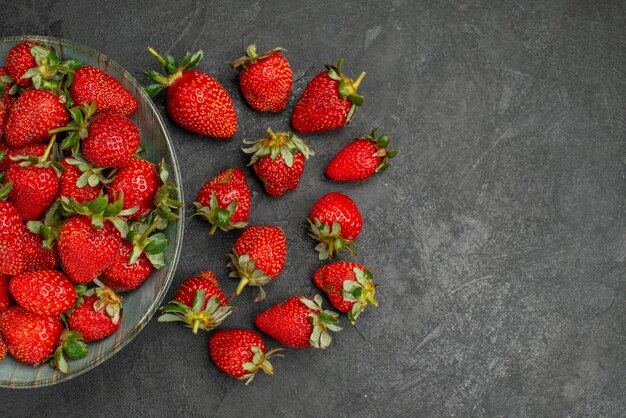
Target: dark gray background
(497, 235)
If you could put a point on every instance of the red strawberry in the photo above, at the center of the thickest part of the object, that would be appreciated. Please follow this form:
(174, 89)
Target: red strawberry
(278, 160)
(139, 183)
(75, 183)
(6, 100)
(11, 236)
(5, 298)
(349, 286)
(36, 256)
(224, 200)
(328, 101)
(19, 60)
(199, 304)
(299, 322)
(241, 353)
(258, 257)
(32, 115)
(35, 150)
(121, 276)
(45, 292)
(85, 251)
(361, 159)
(3, 348)
(91, 84)
(195, 100)
(335, 221)
(111, 141)
(30, 338)
(265, 79)
(98, 316)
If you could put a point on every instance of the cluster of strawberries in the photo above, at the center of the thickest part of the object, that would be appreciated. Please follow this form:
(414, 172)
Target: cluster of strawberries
(199, 103)
(81, 215)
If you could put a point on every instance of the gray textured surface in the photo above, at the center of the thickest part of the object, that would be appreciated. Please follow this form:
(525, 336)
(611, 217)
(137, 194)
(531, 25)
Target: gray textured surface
(497, 236)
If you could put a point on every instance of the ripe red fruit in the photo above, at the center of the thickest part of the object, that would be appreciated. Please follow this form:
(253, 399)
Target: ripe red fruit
(32, 115)
(91, 84)
(241, 353)
(349, 286)
(6, 100)
(195, 100)
(45, 292)
(199, 304)
(11, 237)
(224, 201)
(3, 348)
(35, 150)
(139, 183)
(265, 79)
(299, 322)
(111, 141)
(361, 158)
(121, 276)
(5, 299)
(19, 60)
(328, 101)
(35, 187)
(85, 251)
(30, 338)
(74, 183)
(335, 221)
(278, 161)
(258, 257)
(36, 256)
(98, 316)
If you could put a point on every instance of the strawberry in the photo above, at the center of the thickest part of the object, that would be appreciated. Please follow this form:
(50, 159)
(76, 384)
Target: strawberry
(36, 256)
(111, 141)
(138, 182)
(6, 100)
(349, 286)
(240, 353)
(199, 304)
(5, 297)
(34, 150)
(335, 221)
(361, 158)
(91, 84)
(299, 322)
(30, 338)
(45, 292)
(3, 348)
(77, 180)
(195, 100)
(328, 101)
(278, 160)
(98, 315)
(32, 115)
(11, 236)
(19, 60)
(224, 201)
(258, 257)
(122, 276)
(265, 79)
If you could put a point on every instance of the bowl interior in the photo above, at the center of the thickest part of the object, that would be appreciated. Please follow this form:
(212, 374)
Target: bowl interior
(141, 304)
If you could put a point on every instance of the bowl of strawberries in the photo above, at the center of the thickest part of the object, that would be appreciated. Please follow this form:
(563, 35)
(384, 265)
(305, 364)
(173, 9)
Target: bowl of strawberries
(90, 202)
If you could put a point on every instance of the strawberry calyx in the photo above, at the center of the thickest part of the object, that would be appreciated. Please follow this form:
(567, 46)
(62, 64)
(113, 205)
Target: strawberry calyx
(5, 189)
(108, 302)
(252, 57)
(322, 320)
(43, 161)
(72, 346)
(165, 205)
(348, 88)
(382, 153)
(51, 73)
(145, 241)
(172, 69)
(244, 268)
(360, 291)
(6, 80)
(50, 225)
(285, 144)
(100, 210)
(194, 316)
(91, 176)
(216, 216)
(260, 361)
(329, 237)
(77, 127)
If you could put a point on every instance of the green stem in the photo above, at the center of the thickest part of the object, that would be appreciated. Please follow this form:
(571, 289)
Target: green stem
(242, 283)
(45, 155)
(357, 82)
(63, 129)
(148, 231)
(156, 54)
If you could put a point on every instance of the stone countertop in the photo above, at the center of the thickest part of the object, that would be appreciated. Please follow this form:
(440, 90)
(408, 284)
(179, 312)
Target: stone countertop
(497, 235)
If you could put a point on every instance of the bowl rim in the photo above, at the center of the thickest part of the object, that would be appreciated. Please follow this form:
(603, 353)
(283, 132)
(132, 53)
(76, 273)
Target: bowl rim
(173, 262)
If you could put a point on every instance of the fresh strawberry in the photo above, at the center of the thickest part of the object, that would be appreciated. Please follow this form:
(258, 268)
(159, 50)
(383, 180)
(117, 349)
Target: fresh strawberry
(335, 221)
(299, 322)
(3, 348)
(34, 150)
(278, 161)
(328, 101)
(138, 182)
(224, 201)
(5, 296)
(111, 141)
(6, 99)
(195, 100)
(240, 353)
(11, 236)
(30, 338)
(349, 286)
(45, 292)
(98, 315)
(32, 115)
(122, 276)
(91, 84)
(258, 257)
(361, 158)
(36, 256)
(199, 304)
(265, 79)
(77, 180)
(19, 60)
